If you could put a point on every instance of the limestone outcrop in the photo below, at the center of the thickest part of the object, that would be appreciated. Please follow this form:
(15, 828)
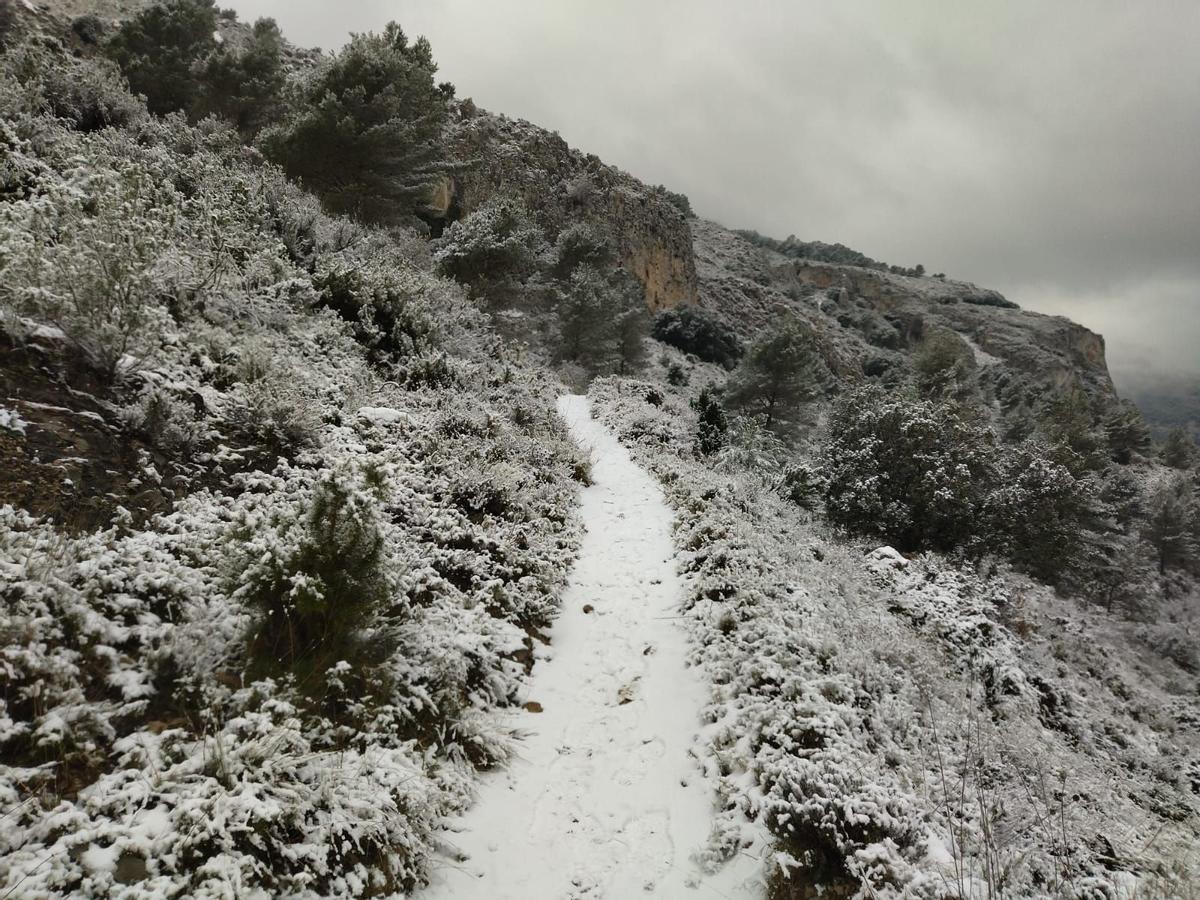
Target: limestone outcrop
(509, 157)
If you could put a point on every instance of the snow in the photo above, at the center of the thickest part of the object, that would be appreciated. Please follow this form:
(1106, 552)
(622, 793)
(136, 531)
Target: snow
(11, 420)
(383, 415)
(982, 357)
(605, 798)
(886, 558)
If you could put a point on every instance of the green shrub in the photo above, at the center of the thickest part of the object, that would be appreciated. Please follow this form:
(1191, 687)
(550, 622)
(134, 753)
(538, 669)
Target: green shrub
(1037, 511)
(944, 366)
(89, 29)
(317, 574)
(910, 472)
(581, 244)
(364, 131)
(712, 425)
(694, 331)
(245, 86)
(381, 304)
(159, 48)
(782, 370)
(494, 249)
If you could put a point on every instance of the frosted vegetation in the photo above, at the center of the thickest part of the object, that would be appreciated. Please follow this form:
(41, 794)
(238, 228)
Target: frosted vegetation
(282, 683)
(907, 726)
(287, 506)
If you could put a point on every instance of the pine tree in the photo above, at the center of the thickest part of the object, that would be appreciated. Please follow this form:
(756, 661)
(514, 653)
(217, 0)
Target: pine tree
(1169, 525)
(712, 425)
(782, 370)
(631, 322)
(245, 86)
(1179, 449)
(1127, 433)
(1068, 425)
(364, 131)
(602, 320)
(158, 49)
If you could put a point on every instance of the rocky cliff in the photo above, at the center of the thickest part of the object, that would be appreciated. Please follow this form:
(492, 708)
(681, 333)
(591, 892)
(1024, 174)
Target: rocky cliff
(872, 321)
(509, 157)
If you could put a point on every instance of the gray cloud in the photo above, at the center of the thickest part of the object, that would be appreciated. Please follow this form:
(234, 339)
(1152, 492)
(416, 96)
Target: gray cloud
(1051, 151)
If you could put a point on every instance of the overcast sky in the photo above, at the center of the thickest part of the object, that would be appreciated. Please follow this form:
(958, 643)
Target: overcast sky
(1048, 150)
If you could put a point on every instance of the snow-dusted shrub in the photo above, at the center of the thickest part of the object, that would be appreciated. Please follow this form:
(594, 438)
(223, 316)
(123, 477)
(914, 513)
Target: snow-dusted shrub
(274, 405)
(494, 248)
(802, 484)
(712, 424)
(693, 331)
(912, 472)
(316, 571)
(944, 366)
(382, 302)
(92, 255)
(582, 244)
(89, 94)
(1036, 512)
(168, 421)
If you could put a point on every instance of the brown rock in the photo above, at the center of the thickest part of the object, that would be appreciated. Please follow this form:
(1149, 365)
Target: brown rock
(533, 706)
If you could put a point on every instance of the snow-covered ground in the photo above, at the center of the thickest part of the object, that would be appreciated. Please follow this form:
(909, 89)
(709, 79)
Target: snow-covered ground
(605, 798)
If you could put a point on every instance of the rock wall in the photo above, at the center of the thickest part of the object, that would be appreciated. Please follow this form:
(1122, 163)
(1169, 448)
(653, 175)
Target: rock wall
(507, 157)
(870, 321)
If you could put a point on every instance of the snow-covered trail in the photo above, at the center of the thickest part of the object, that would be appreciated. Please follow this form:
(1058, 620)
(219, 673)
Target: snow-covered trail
(605, 799)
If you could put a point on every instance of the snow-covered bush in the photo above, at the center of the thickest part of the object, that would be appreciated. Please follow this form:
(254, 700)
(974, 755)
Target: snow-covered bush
(317, 572)
(89, 94)
(1036, 511)
(912, 472)
(93, 257)
(280, 683)
(494, 248)
(693, 331)
(904, 726)
(382, 302)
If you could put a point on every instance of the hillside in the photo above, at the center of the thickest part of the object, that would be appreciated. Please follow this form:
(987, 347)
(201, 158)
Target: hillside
(843, 580)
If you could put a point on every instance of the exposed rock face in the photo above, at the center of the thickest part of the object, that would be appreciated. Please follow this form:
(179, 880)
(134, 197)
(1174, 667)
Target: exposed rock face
(506, 157)
(870, 321)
